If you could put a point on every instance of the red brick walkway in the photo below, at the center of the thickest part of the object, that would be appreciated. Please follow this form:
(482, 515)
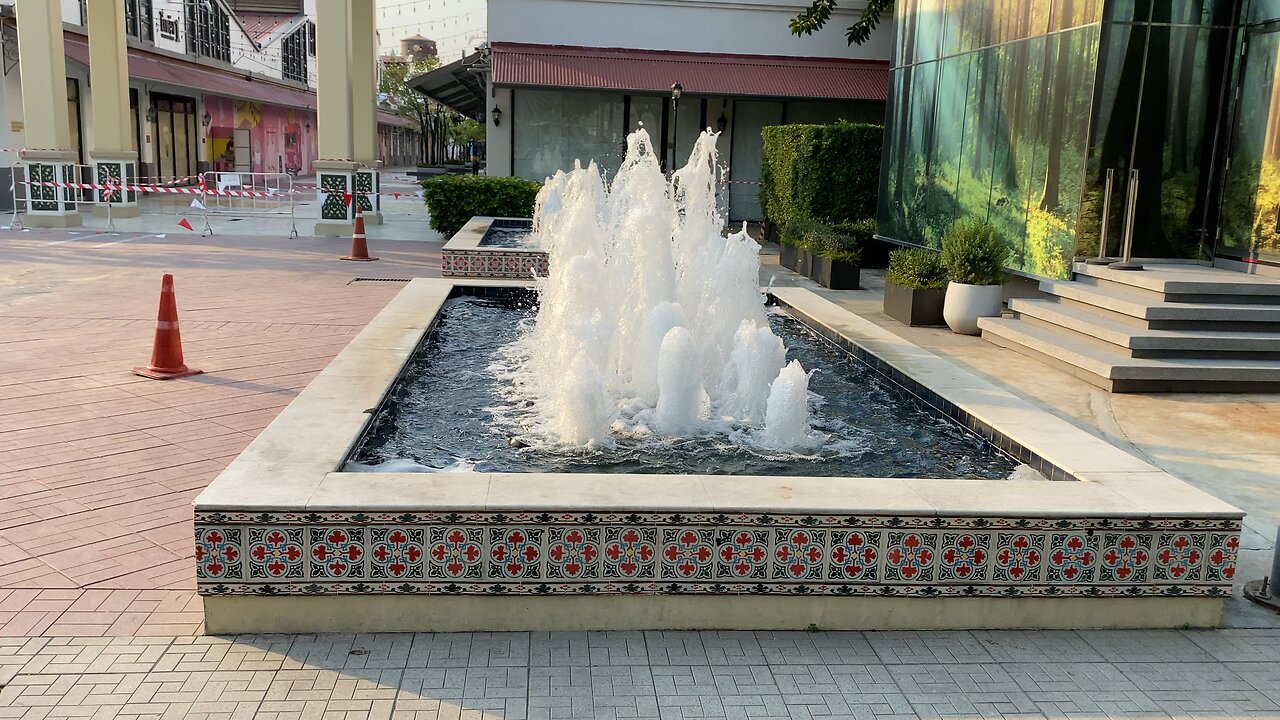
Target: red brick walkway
(98, 467)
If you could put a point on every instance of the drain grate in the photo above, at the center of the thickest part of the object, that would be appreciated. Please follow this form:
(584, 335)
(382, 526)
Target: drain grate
(356, 280)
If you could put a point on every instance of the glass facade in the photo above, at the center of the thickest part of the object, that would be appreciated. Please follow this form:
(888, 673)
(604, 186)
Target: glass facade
(1017, 111)
(1250, 227)
(989, 113)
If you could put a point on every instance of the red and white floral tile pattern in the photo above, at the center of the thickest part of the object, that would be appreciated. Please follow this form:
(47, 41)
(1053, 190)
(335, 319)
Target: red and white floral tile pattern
(482, 553)
(479, 262)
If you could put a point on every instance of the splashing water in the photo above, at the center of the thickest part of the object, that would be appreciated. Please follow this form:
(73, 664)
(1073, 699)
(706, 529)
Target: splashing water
(652, 321)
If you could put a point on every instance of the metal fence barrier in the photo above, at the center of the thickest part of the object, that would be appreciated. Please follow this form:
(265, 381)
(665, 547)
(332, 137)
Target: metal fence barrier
(247, 194)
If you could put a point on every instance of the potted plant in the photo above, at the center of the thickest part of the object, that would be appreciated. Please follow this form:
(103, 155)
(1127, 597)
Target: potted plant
(821, 253)
(914, 286)
(974, 255)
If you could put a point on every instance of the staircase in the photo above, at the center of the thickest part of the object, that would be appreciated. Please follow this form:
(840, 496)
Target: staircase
(1168, 328)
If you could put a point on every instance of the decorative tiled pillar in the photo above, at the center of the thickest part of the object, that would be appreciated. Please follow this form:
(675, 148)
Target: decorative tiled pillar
(336, 168)
(364, 124)
(113, 158)
(43, 69)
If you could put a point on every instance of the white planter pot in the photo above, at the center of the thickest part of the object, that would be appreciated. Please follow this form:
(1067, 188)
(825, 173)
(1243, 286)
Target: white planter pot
(966, 303)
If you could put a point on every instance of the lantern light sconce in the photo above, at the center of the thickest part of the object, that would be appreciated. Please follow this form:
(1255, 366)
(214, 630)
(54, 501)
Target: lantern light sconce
(496, 113)
(722, 122)
(207, 119)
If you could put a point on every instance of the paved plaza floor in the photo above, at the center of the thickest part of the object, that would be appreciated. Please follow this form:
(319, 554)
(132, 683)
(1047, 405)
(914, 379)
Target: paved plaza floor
(98, 468)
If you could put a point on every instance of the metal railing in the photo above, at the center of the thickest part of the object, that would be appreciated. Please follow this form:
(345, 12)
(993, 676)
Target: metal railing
(246, 194)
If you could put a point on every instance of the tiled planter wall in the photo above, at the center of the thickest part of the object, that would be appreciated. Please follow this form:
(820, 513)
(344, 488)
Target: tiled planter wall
(587, 553)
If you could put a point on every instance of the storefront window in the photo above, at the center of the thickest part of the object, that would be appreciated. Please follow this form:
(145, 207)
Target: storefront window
(552, 128)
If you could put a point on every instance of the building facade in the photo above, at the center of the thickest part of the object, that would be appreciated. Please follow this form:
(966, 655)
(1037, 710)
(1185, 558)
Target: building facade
(568, 79)
(1070, 123)
(212, 86)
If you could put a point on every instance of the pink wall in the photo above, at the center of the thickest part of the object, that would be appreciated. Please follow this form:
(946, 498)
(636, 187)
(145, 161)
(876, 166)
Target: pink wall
(279, 138)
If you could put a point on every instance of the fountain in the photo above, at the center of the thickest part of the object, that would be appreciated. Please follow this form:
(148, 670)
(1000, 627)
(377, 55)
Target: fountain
(638, 442)
(655, 311)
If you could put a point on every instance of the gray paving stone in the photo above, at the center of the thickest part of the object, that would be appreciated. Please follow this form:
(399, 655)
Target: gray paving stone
(1145, 646)
(732, 648)
(1238, 645)
(559, 649)
(617, 648)
(675, 648)
(1070, 677)
(1041, 646)
(910, 647)
(440, 650)
(622, 681)
(1264, 676)
(789, 648)
(554, 682)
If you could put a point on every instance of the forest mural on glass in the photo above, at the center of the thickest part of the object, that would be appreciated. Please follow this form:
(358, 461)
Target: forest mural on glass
(1012, 111)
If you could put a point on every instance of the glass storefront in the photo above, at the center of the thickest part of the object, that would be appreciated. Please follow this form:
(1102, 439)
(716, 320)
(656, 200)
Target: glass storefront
(1250, 227)
(177, 136)
(552, 128)
(1017, 112)
(988, 117)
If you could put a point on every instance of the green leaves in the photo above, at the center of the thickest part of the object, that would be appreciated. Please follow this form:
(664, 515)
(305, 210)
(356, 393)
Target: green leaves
(842, 242)
(454, 199)
(918, 268)
(814, 17)
(974, 253)
(829, 173)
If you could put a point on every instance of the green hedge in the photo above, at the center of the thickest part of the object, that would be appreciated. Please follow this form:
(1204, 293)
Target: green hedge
(826, 172)
(838, 242)
(454, 199)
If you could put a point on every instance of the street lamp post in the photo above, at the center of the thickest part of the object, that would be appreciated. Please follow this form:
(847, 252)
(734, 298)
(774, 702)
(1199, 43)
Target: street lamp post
(676, 90)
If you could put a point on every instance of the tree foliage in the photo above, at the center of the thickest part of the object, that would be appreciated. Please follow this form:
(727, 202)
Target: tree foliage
(814, 17)
(394, 87)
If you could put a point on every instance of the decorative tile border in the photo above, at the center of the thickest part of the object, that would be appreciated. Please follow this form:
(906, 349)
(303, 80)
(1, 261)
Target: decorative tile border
(575, 553)
(465, 254)
(504, 263)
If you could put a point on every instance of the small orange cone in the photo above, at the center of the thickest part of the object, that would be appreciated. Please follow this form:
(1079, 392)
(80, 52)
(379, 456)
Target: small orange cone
(166, 354)
(359, 247)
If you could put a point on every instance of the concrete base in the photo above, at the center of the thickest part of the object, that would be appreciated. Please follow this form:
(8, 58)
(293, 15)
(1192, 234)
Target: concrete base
(117, 211)
(372, 218)
(225, 615)
(58, 220)
(334, 228)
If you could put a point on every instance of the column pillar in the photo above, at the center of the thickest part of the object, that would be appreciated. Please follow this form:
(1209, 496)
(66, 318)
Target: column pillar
(364, 103)
(112, 154)
(336, 167)
(43, 69)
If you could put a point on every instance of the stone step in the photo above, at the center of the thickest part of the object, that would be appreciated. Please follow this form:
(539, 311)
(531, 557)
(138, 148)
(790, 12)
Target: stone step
(1132, 302)
(1187, 283)
(1133, 335)
(1108, 367)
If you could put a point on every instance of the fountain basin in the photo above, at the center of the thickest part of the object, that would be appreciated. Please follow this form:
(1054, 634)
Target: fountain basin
(484, 248)
(287, 542)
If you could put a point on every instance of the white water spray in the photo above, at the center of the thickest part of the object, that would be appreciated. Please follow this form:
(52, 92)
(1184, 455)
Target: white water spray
(651, 319)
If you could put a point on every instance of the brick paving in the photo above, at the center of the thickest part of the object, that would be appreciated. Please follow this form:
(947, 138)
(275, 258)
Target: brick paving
(98, 467)
(98, 616)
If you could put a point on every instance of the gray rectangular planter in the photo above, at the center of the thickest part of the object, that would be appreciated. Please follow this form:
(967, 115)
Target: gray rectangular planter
(835, 274)
(793, 258)
(913, 306)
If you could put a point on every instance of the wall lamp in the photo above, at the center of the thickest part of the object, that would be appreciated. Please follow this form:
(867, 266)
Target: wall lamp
(496, 113)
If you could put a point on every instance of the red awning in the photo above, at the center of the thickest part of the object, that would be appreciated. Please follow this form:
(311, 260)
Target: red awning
(160, 68)
(519, 64)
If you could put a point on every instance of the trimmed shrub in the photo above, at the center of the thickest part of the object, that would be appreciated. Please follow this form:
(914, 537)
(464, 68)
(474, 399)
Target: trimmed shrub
(823, 240)
(455, 199)
(974, 253)
(917, 268)
(826, 172)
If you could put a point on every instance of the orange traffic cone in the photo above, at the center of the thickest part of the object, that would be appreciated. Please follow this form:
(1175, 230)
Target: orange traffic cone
(166, 354)
(359, 247)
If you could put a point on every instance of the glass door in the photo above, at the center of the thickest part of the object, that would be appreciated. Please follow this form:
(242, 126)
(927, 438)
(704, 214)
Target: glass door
(1161, 91)
(1251, 188)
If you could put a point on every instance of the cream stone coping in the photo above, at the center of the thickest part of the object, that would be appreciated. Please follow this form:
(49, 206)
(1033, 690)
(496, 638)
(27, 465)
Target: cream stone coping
(293, 465)
(469, 236)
